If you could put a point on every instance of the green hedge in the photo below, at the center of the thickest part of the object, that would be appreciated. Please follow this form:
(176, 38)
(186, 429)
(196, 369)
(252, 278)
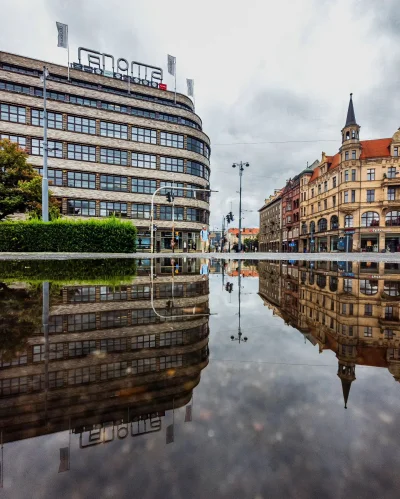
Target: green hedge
(90, 236)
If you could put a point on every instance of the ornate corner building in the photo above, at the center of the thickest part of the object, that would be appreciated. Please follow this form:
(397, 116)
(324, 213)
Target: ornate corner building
(110, 146)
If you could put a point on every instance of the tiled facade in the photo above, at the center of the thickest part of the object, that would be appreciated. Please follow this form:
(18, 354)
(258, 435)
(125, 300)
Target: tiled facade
(110, 149)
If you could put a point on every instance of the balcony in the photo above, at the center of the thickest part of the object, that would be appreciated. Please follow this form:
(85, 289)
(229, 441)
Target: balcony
(348, 207)
(392, 204)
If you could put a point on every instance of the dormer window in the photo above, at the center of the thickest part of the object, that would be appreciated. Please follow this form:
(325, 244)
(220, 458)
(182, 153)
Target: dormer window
(353, 134)
(347, 135)
(395, 151)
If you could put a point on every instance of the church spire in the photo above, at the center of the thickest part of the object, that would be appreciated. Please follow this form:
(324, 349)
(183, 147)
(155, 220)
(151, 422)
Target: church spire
(351, 117)
(346, 385)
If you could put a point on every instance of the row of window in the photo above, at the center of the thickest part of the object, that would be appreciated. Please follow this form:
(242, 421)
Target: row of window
(368, 219)
(366, 286)
(113, 156)
(117, 183)
(86, 208)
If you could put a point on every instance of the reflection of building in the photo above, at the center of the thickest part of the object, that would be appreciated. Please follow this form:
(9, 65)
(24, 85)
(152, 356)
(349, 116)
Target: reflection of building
(270, 284)
(111, 146)
(271, 223)
(247, 269)
(350, 308)
(110, 363)
(352, 200)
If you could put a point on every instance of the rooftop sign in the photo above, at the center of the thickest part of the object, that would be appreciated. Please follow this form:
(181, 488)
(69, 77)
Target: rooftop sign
(131, 72)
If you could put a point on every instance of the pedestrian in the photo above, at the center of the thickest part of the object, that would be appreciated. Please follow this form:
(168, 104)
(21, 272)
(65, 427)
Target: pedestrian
(204, 239)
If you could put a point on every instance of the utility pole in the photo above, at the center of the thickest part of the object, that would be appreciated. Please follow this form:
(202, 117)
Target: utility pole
(223, 234)
(45, 180)
(241, 169)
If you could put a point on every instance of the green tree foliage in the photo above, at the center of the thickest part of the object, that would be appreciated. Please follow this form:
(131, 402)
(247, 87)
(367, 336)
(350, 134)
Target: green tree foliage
(20, 185)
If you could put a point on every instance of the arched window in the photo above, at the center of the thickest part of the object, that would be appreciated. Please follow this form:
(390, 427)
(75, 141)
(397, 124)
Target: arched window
(348, 221)
(303, 277)
(333, 282)
(347, 135)
(392, 288)
(370, 219)
(322, 225)
(321, 280)
(353, 134)
(312, 227)
(368, 286)
(393, 219)
(311, 278)
(334, 222)
(304, 228)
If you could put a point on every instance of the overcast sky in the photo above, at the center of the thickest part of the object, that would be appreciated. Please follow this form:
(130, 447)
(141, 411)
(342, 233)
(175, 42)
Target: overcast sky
(264, 71)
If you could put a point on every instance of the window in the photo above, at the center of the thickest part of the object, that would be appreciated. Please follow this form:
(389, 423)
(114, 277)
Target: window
(144, 160)
(319, 188)
(82, 180)
(115, 130)
(333, 182)
(114, 370)
(371, 174)
(81, 348)
(55, 324)
(82, 208)
(113, 345)
(113, 156)
(322, 225)
(346, 176)
(165, 212)
(117, 108)
(140, 291)
(346, 196)
(368, 310)
(334, 222)
(391, 173)
(319, 205)
(143, 186)
(81, 295)
(108, 293)
(312, 192)
(389, 313)
(143, 341)
(353, 175)
(348, 221)
(395, 150)
(346, 155)
(197, 169)
(312, 227)
(368, 286)
(54, 149)
(81, 322)
(114, 318)
(81, 101)
(353, 196)
(196, 145)
(171, 164)
(113, 183)
(171, 140)
(370, 195)
(15, 114)
(108, 209)
(370, 219)
(347, 285)
(392, 288)
(325, 185)
(81, 375)
(193, 215)
(171, 339)
(353, 156)
(144, 135)
(81, 153)
(140, 366)
(367, 331)
(54, 120)
(16, 139)
(55, 176)
(168, 188)
(81, 125)
(12, 386)
(56, 351)
(391, 193)
(333, 201)
(141, 211)
(11, 87)
(389, 334)
(392, 219)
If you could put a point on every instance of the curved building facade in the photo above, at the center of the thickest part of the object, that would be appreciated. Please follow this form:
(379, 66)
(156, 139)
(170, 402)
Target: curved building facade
(111, 145)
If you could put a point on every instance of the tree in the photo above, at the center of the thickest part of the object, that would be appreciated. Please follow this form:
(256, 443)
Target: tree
(20, 185)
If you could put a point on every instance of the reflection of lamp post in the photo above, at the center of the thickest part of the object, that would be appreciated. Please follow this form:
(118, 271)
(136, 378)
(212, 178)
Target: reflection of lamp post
(240, 334)
(241, 169)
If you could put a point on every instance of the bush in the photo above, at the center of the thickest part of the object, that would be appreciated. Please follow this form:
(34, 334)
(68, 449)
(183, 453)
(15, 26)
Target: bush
(91, 236)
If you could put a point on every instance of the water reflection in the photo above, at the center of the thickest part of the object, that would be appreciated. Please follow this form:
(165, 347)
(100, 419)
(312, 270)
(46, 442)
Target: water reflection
(104, 362)
(349, 308)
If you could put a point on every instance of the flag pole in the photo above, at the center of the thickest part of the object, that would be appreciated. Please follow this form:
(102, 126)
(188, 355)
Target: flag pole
(68, 52)
(175, 78)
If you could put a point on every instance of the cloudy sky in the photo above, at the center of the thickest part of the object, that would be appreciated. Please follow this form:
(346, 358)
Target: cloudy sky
(272, 78)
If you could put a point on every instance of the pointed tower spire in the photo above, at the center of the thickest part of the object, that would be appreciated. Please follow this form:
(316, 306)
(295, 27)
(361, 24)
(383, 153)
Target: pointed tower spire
(351, 117)
(346, 385)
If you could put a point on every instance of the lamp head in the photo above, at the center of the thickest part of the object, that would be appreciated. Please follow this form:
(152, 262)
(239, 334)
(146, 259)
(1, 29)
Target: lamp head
(247, 164)
(234, 165)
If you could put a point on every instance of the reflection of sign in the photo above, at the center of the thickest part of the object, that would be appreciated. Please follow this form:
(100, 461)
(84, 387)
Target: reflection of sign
(374, 277)
(375, 230)
(133, 72)
(107, 432)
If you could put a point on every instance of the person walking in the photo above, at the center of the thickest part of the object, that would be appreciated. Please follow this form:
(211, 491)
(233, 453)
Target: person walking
(204, 239)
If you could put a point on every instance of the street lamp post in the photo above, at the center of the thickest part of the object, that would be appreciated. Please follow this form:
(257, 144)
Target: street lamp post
(45, 180)
(241, 169)
(240, 334)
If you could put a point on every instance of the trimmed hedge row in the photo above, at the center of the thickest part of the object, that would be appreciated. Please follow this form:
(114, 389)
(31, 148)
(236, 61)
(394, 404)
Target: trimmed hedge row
(77, 236)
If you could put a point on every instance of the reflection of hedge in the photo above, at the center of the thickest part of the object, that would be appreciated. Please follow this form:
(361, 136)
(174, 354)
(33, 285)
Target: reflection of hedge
(89, 236)
(88, 271)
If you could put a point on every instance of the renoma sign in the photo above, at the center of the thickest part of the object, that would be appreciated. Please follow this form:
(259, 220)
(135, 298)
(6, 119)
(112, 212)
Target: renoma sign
(131, 72)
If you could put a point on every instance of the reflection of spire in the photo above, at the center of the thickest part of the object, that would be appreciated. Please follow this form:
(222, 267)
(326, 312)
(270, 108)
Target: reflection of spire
(347, 374)
(346, 385)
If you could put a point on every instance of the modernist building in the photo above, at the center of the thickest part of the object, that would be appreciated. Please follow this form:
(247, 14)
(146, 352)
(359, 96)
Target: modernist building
(271, 223)
(352, 200)
(110, 366)
(110, 146)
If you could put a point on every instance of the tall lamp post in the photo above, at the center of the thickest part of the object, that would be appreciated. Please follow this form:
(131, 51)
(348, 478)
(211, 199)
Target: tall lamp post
(241, 166)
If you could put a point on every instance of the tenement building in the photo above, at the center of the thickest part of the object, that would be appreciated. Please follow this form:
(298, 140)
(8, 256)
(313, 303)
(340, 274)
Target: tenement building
(110, 146)
(271, 223)
(352, 199)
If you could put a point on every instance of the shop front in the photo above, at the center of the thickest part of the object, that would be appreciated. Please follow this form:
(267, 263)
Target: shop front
(322, 244)
(392, 242)
(334, 243)
(369, 243)
(143, 240)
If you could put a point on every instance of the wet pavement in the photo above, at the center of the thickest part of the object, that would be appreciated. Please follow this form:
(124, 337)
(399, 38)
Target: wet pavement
(192, 378)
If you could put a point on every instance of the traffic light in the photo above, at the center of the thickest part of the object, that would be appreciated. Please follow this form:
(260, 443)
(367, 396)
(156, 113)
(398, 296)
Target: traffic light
(170, 197)
(227, 218)
(229, 287)
(231, 216)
